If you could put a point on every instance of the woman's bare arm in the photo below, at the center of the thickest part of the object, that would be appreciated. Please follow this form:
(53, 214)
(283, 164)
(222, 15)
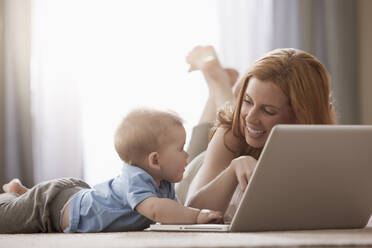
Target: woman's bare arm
(215, 183)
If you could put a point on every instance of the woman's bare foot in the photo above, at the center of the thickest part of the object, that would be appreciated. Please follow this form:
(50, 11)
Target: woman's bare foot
(204, 58)
(15, 187)
(233, 74)
(219, 80)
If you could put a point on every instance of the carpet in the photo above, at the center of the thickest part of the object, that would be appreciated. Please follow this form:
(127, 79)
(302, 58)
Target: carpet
(315, 238)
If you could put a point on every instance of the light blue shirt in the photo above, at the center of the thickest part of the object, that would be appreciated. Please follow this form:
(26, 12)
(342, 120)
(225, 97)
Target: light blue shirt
(110, 206)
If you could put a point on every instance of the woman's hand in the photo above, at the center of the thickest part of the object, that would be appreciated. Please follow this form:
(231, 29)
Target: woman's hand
(243, 167)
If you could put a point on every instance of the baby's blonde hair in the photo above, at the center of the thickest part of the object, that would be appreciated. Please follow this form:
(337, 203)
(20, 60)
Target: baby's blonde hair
(141, 132)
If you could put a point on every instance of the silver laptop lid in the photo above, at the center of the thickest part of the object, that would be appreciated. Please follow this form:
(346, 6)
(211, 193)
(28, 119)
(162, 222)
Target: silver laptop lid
(310, 177)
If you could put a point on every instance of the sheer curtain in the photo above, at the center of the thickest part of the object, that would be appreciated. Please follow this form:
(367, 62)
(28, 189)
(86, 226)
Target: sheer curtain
(16, 125)
(92, 61)
(89, 62)
(246, 31)
(326, 29)
(55, 102)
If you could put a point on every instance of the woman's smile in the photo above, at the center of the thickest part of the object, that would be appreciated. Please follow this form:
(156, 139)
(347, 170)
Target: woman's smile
(254, 133)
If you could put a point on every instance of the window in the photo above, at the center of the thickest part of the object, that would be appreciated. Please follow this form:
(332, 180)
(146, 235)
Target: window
(132, 53)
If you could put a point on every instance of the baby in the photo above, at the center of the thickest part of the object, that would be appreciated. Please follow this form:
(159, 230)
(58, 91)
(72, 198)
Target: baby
(150, 142)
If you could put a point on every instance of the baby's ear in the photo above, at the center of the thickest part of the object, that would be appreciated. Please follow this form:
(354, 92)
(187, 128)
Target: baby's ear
(153, 159)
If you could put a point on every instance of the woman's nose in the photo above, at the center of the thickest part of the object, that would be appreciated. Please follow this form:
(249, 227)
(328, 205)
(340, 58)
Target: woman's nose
(252, 116)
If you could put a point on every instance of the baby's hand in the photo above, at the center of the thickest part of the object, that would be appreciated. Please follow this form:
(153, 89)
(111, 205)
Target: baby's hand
(201, 57)
(209, 216)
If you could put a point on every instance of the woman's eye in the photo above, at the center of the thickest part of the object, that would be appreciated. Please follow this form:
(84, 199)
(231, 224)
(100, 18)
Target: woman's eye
(248, 101)
(269, 112)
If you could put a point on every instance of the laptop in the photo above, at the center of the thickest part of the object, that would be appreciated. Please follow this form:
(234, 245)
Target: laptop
(307, 177)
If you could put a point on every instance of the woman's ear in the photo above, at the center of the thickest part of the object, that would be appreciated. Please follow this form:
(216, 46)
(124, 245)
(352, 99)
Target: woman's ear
(153, 159)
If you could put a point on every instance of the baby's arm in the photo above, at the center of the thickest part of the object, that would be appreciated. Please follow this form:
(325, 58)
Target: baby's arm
(168, 211)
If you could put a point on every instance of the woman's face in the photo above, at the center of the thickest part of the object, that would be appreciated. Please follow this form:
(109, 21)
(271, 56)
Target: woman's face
(264, 106)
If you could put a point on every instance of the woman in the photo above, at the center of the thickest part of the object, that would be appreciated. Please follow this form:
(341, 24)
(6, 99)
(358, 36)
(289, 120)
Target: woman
(222, 88)
(286, 86)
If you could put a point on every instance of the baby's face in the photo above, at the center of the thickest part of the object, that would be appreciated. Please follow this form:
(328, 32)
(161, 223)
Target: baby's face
(172, 157)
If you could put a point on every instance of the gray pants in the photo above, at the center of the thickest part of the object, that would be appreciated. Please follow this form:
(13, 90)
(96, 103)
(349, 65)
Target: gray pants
(39, 209)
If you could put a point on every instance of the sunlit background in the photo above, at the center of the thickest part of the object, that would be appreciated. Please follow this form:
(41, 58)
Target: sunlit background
(72, 69)
(107, 58)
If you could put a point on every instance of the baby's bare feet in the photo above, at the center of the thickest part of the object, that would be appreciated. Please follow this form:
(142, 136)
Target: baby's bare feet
(15, 187)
